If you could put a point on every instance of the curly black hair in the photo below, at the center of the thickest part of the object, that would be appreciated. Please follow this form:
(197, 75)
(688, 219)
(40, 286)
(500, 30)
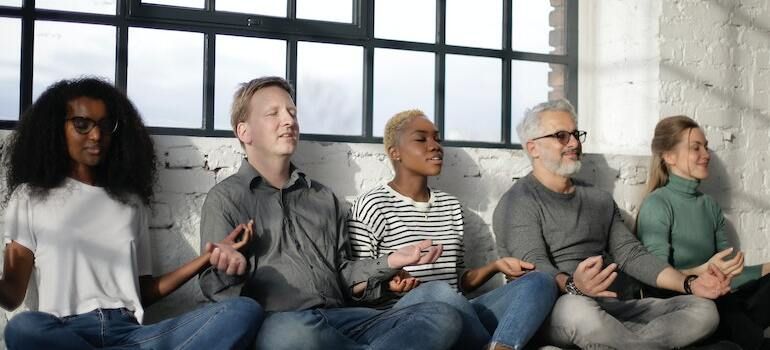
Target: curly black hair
(37, 150)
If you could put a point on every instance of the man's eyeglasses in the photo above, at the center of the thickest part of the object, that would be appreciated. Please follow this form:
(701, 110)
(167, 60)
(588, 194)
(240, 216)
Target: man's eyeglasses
(84, 125)
(563, 136)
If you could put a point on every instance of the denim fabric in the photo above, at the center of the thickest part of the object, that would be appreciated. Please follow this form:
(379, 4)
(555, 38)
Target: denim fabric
(509, 315)
(230, 324)
(421, 326)
(649, 323)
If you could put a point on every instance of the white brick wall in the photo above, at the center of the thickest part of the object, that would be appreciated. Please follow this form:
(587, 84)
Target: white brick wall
(642, 60)
(716, 68)
(190, 166)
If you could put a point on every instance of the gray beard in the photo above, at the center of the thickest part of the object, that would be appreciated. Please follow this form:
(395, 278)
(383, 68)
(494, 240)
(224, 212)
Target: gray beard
(562, 168)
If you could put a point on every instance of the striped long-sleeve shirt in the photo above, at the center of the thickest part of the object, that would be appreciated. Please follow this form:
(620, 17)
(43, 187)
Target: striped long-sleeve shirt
(382, 221)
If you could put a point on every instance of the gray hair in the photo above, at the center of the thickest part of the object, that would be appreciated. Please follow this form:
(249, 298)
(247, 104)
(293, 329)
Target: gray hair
(530, 127)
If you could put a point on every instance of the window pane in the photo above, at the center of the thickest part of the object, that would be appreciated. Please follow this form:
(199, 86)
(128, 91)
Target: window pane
(165, 76)
(106, 7)
(329, 88)
(326, 10)
(389, 19)
(239, 60)
(475, 23)
(10, 65)
(69, 50)
(532, 83)
(15, 3)
(198, 4)
(275, 8)
(539, 26)
(402, 80)
(473, 98)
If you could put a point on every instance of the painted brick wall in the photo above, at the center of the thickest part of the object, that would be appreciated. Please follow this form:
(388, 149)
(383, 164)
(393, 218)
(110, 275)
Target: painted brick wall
(715, 67)
(478, 177)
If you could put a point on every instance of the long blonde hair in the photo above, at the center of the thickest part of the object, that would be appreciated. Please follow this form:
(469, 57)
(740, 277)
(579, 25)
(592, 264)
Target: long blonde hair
(667, 136)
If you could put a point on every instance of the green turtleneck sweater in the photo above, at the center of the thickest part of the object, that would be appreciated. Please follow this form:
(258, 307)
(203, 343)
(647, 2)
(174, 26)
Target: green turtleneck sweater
(685, 227)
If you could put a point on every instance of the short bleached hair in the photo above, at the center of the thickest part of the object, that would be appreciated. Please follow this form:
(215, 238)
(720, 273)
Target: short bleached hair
(395, 126)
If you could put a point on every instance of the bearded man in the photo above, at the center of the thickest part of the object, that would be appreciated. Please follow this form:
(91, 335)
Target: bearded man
(573, 230)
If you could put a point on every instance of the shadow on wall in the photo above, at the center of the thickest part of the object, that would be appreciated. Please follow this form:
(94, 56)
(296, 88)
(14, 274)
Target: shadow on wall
(335, 165)
(597, 171)
(478, 185)
(169, 251)
(718, 186)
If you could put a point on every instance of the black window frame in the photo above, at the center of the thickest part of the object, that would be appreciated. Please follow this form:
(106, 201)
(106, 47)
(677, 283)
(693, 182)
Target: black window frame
(133, 13)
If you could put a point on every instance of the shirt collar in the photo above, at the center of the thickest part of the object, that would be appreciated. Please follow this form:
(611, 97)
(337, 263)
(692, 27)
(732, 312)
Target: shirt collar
(251, 178)
(682, 185)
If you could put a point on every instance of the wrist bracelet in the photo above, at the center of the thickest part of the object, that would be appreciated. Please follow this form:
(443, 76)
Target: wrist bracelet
(688, 282)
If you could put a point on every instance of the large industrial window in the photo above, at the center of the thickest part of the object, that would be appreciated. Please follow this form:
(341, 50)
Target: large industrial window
(472, 65)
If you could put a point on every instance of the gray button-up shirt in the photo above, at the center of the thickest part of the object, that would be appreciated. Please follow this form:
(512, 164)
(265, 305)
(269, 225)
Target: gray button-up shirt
(299, 255)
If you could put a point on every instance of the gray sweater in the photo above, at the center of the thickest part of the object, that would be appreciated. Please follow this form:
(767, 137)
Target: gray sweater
(556, 231)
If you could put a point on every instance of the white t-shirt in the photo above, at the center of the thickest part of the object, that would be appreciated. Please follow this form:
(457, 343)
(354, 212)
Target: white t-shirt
(89, 248)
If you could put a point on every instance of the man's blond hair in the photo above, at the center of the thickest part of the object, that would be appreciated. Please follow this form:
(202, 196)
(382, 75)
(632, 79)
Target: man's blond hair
(239, 111)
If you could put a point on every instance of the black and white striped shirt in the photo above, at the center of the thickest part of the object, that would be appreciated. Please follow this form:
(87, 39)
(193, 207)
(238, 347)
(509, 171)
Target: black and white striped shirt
(382, 220)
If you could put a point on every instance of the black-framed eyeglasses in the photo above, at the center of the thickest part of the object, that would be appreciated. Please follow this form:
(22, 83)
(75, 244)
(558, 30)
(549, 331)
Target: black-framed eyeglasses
(563, 136)
(84, 125)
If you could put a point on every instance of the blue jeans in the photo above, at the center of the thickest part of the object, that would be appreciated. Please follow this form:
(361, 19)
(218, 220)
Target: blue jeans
(420, 326)
(508, 315)
(231, 324)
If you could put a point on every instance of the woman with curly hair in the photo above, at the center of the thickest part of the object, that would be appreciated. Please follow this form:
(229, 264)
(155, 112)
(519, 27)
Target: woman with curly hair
(80, 176)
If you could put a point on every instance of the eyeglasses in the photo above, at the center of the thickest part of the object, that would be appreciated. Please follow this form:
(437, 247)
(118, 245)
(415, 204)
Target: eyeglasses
(84, 125)
(563, 136)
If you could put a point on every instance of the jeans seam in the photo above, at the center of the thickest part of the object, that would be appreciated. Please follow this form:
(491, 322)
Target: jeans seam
(170, 330)
(102, 326)
(399, 325)
(192, 336)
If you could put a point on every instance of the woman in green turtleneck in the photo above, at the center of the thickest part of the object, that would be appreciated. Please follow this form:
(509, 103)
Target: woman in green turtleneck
(686, 228)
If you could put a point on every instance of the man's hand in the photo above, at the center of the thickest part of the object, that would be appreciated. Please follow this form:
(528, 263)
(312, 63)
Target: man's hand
(592, 280)
(512, 267)
(402, 282)
(421, 253)
(711, 284)
(732, 267)
(225, 255)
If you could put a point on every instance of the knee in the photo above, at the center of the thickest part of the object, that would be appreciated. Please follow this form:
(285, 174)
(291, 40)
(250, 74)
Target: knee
(439, 291)
(25, 327)
(439, 317)
(541, 284)
(577, 315)
(287, 330)
(247, 309)
(438, 288)
(702, 312)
